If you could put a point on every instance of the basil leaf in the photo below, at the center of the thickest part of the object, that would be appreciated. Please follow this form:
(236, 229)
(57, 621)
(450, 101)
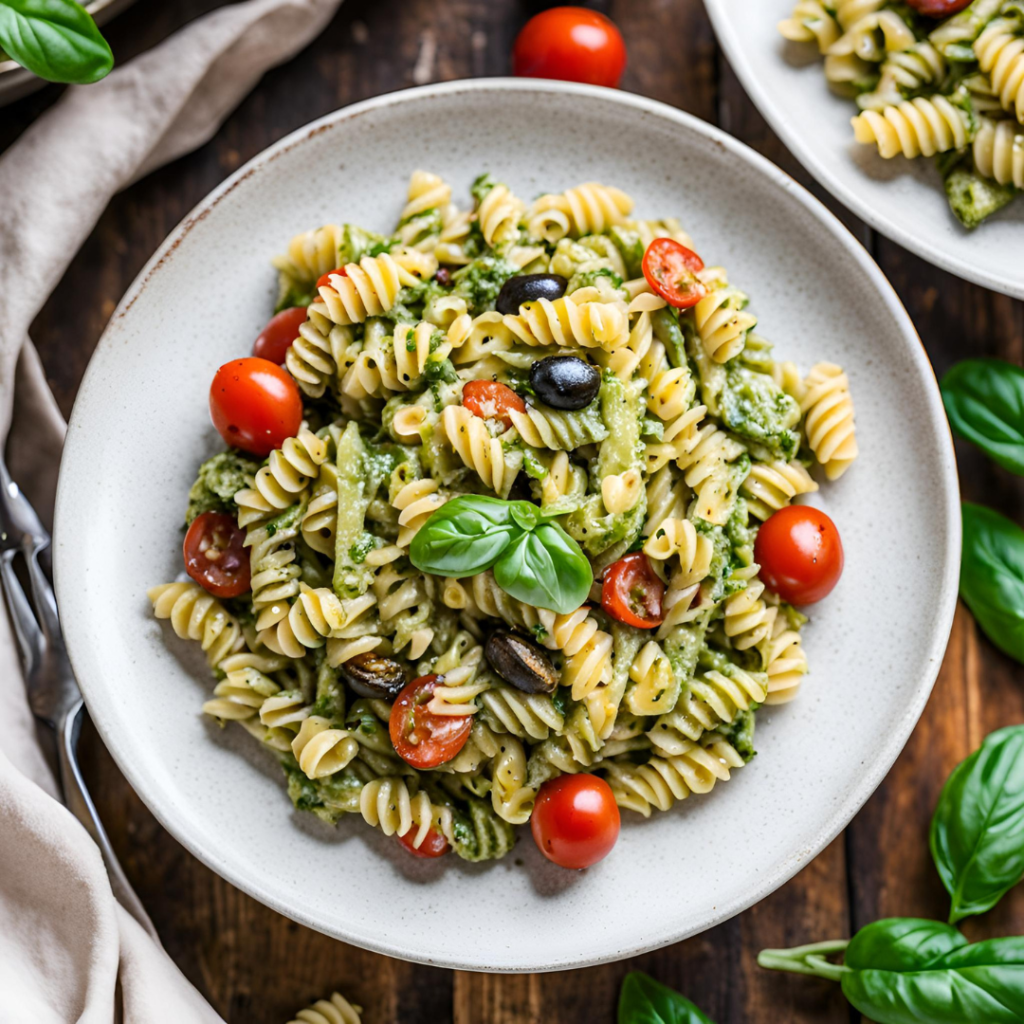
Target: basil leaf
(642, 1000)
(992, 576)
(979, 982)
(984, 401)
(55, 39)
(464, 537)
(545, 568)
(525, 514)
(977, 833)
(901, 944)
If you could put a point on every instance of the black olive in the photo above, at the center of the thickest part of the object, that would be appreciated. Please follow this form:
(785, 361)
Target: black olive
(565, 382)
(528, 288)
(521, 663)
(373, 676)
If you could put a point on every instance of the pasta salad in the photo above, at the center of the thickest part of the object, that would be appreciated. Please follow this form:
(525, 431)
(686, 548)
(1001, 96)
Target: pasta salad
(504, 531)
(940, 78)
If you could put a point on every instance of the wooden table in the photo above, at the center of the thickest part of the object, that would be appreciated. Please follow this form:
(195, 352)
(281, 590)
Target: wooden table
(257, 967)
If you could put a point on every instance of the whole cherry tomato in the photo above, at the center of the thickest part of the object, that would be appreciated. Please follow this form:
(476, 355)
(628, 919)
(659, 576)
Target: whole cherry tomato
(571, 44)
(671, 270)
(938, 8)
(434, 844)
(420, 737)
(215, 556)
(276, 338)
(325, 279)
(491, 401)
(575, 820)
(255, 405)
(800, 554)
(632, 592)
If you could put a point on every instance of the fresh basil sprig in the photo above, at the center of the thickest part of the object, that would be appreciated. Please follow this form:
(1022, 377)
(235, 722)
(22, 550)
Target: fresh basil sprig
(977, 834)
(54, 39)
(534, 560)
(642, 1000)
(984, 401)
(992, 576)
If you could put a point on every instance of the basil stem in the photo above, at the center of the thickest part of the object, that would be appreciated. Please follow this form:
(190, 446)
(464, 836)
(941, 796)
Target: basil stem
(984, 401)
(642, 1000)
(54, 39)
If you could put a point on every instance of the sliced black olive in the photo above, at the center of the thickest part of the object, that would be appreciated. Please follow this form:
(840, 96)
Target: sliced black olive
(521, 663)
(528, 288)
(565, 382)
(373, 676)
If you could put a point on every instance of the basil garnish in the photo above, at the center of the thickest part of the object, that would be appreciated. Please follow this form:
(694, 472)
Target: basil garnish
(642, 1000)
(534, 560)
(984, 401)
(54, 39)
(977, 834)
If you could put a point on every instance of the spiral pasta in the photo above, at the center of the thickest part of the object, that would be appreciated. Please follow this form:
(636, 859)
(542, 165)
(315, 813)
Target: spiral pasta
(706, 454)
(311, 254)
(367, 288)
(587, 209)
(773, 485)
(512, 798)
(652, 675)
(920, 127)
(828, 418)
(481, 452)
(322, 750)
(567, 322)
(1000, 52)
(999, 152)
(387, 803)
(621, 491)
(722, 323)
(195, 615)
(336, 1010)
(287, 474)
(526, 715)
(747, 621)
(560, 431)
(498, 215)
(811, 22)
(679, 538)
(315, 615)
(786, 663)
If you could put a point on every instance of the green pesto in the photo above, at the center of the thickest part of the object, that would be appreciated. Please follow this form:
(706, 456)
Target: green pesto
(330, 693)
(478, 833)
(740, 733)
(482, 184)
(218, 481)
(351, 579)
(973, 198)
(681, 647)
(630, 246)
(480, 281)
(293, 293)
(626, 644)
(756, 408)
(328, 798)
(672, 334)
(589, 279)
(357, 243)
(286, 520)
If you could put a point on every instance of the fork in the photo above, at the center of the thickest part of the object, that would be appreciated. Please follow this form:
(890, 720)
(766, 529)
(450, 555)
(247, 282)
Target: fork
(53, 692)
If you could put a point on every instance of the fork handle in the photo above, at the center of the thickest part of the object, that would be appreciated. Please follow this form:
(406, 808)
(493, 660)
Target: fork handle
(79, 802)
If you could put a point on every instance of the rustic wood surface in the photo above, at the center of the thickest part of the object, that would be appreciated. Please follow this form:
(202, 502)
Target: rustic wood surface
(257, 967)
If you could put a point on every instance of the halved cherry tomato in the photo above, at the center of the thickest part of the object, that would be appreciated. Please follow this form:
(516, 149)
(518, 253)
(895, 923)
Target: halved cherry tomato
(491, 400)
(420, 737)
(255, 405)
(632, 592)
(571, 44)
(671, 269)
(276, 338)
(215, 556)
(325, 279)
(434, 844)
(938, 8)
(575, 821)
(800, 554)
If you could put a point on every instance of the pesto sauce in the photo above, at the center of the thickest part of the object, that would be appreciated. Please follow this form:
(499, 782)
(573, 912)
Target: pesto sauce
(218, 481)
(480, 281)
(754, 407)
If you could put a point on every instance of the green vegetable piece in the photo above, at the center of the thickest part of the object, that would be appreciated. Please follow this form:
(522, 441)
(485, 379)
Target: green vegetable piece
(977, 833)
(351, 578)
(992, 576)
(464, 537)
(973, 198)
(54, 39)
(219, 479)
(642, 1000)
(984, 401)
(755, 407)
(545, 568)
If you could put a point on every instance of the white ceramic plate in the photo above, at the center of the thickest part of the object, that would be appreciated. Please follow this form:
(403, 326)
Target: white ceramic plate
(140, 428)
(903, 199)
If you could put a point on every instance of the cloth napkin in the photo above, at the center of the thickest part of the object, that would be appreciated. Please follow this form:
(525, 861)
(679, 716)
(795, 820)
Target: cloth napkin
(68, 951)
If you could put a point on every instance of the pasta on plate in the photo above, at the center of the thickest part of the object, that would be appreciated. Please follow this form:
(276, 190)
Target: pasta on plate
(417, 390)
(949, 87)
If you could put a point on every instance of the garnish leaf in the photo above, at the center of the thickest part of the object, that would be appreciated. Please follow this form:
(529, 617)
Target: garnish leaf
(643, 1000)
(984, 401)
(464, 537)
(54, 39)
(545, 568)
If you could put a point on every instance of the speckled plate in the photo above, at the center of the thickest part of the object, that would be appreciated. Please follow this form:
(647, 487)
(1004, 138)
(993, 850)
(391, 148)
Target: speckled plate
(903, 199)
(140, 427)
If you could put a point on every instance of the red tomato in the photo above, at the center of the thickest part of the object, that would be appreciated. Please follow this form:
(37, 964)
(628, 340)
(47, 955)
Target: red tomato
(491, 400)
(571, 44)
(434, 844)
(276, 338)
(575, 821)
(938, 8)
(800, 554)
(255, 405)
(670, 269)
(215, 556)
(325, 279)
(420, 737)
(632, 592)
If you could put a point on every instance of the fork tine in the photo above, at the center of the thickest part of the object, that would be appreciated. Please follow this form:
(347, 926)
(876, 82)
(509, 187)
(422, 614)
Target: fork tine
(31, 642)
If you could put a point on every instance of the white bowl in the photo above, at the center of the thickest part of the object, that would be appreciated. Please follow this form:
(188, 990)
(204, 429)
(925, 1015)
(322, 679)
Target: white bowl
(140, 427)
(903, 199)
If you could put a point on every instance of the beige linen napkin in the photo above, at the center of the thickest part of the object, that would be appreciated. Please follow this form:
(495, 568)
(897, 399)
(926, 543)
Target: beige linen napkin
(68, 951)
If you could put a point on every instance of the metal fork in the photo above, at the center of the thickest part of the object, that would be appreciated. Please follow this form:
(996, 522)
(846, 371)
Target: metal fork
(49, 680)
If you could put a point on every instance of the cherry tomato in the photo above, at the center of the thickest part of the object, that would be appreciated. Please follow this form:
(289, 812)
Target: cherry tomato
(420, 737)
(671, 269)
(800, 554)
(255, 405)
(276, 338)
(575, 821)
(938, 8)
(215, 556)
(632, 592)
(571, 44)
(325, 279)
(491, 400)
(434, 844)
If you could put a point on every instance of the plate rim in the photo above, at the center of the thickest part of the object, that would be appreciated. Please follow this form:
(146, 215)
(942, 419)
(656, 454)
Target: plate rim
(176, 820)
(781, 125)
